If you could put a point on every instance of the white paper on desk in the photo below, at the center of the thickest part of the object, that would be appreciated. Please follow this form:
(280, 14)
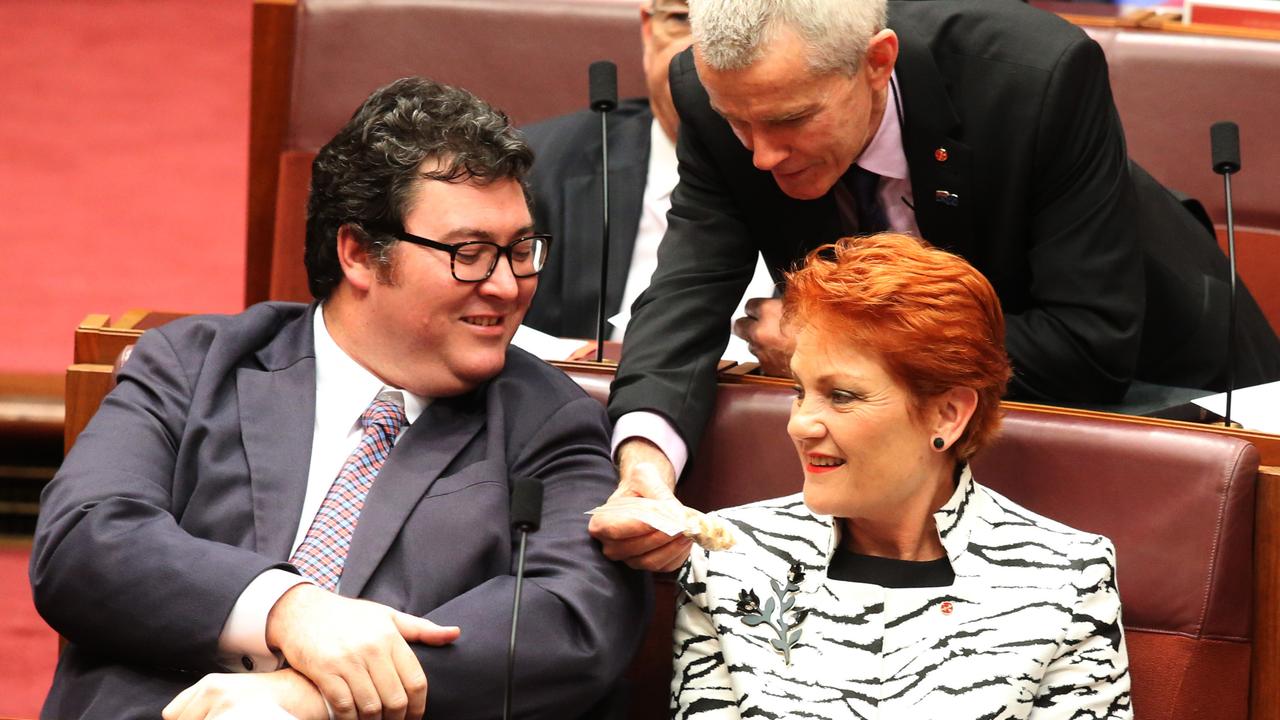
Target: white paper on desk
(1256, 408)
(761, 285)
(544, 346)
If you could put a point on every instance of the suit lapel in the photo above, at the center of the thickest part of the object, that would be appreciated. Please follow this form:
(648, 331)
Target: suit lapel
(940, 164)
(277, 420)
(412, 468)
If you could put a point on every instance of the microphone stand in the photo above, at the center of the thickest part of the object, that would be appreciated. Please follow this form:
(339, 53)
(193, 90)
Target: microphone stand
(602, 79)
(526, 517)
(1224, 141)
(515, 621)
(1231, 304)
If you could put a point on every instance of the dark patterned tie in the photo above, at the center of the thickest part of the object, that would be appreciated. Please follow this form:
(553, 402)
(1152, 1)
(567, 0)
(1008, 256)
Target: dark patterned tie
(864, 185)
(323, 551)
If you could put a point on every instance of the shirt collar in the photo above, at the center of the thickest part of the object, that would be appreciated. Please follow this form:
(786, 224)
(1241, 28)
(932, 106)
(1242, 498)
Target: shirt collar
(344, 388)
(954, 520)
(884, 155)
(664, 170)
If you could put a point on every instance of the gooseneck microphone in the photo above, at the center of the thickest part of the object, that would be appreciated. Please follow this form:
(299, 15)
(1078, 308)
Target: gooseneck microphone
(602, 82)
(1224, 142)
(526, 517)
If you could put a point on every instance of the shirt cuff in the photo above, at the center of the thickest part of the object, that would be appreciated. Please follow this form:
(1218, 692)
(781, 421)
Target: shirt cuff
(657, 430)
(242, 646)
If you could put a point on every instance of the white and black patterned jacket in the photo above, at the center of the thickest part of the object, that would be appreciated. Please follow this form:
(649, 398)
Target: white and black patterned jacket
(1029, 629)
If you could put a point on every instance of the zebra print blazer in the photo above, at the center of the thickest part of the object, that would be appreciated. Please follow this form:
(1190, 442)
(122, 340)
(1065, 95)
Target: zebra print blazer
(1029, 629)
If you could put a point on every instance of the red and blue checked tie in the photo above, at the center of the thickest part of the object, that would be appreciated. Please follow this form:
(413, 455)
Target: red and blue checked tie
(323, 551)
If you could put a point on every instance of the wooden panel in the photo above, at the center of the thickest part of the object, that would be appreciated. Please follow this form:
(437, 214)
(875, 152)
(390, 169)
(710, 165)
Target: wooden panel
(100, 342)
(1265, 676)
(1258, 263)
(1268, 445)
(87, 384)
(289, 233)
(269, 99)
(1147, 19)
(31, 384)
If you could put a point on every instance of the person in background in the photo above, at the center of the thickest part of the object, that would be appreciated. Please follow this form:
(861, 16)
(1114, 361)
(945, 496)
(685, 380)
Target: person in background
(565, 181)
(896, 585)
(316, 496)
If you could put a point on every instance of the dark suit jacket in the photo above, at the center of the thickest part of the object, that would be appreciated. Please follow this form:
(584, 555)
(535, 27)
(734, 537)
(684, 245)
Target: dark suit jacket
(1049, 208)
(566, 191)
(189, 482)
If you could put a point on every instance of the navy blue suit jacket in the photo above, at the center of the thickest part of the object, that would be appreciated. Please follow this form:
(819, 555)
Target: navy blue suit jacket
(189, 482)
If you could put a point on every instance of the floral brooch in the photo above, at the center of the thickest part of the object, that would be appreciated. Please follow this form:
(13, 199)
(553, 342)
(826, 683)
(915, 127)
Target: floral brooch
(782, 603)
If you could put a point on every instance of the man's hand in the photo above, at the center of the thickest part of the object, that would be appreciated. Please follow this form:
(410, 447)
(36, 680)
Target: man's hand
(275, 695)
(766, 337)
(355, 651)
(645, 472)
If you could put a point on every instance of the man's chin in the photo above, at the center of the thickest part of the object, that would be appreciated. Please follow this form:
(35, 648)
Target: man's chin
(802, 186)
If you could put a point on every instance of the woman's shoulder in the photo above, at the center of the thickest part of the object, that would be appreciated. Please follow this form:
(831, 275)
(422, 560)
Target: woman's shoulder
(1004, 524)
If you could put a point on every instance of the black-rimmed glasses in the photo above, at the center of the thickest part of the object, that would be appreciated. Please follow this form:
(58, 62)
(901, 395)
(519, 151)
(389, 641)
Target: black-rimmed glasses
(475, 260)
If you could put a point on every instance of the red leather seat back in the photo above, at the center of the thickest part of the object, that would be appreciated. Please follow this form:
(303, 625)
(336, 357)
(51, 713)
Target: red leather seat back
(1228, 78)
(1179, 506)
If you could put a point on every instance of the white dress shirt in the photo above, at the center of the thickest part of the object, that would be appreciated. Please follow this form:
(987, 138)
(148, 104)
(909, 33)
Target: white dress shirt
(884, 156)
(344, 390)
(660, 180)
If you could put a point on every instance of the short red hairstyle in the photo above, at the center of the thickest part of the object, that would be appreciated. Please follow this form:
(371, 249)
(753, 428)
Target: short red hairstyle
(932, 318)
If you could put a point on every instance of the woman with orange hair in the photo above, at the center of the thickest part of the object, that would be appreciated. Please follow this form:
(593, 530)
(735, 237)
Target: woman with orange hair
(897, 586)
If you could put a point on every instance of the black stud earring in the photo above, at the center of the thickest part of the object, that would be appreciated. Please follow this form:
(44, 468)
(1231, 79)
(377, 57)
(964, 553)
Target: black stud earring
(938, 443)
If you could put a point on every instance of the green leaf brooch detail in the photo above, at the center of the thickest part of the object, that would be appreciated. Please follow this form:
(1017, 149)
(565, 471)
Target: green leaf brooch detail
(782, 603)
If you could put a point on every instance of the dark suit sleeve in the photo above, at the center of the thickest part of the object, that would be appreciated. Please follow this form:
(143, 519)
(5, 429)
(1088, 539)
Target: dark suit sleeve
(680, 325)
(1079, 336)
(111, 568)
(581, 615)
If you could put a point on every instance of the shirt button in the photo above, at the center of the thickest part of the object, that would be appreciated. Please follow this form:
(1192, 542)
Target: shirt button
(247, 662)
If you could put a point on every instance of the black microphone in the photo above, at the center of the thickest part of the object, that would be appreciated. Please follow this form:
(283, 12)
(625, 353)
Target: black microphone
(1224, 143)
(602, 82)
(526, 517)
(602, 85)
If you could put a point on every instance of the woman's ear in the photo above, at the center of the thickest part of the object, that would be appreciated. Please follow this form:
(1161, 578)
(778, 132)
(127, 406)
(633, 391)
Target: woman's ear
(359, 269)
(951, 412)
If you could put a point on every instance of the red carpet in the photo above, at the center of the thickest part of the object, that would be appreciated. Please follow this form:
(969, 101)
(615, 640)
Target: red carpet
(30, 648)
(124, 143)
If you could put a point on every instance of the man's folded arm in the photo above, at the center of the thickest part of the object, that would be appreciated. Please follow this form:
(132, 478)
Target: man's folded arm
(111, 566)
(242, 645)
(582, 616)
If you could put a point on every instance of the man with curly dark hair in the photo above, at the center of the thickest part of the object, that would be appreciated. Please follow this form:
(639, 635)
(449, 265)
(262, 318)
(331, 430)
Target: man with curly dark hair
(318, 495)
